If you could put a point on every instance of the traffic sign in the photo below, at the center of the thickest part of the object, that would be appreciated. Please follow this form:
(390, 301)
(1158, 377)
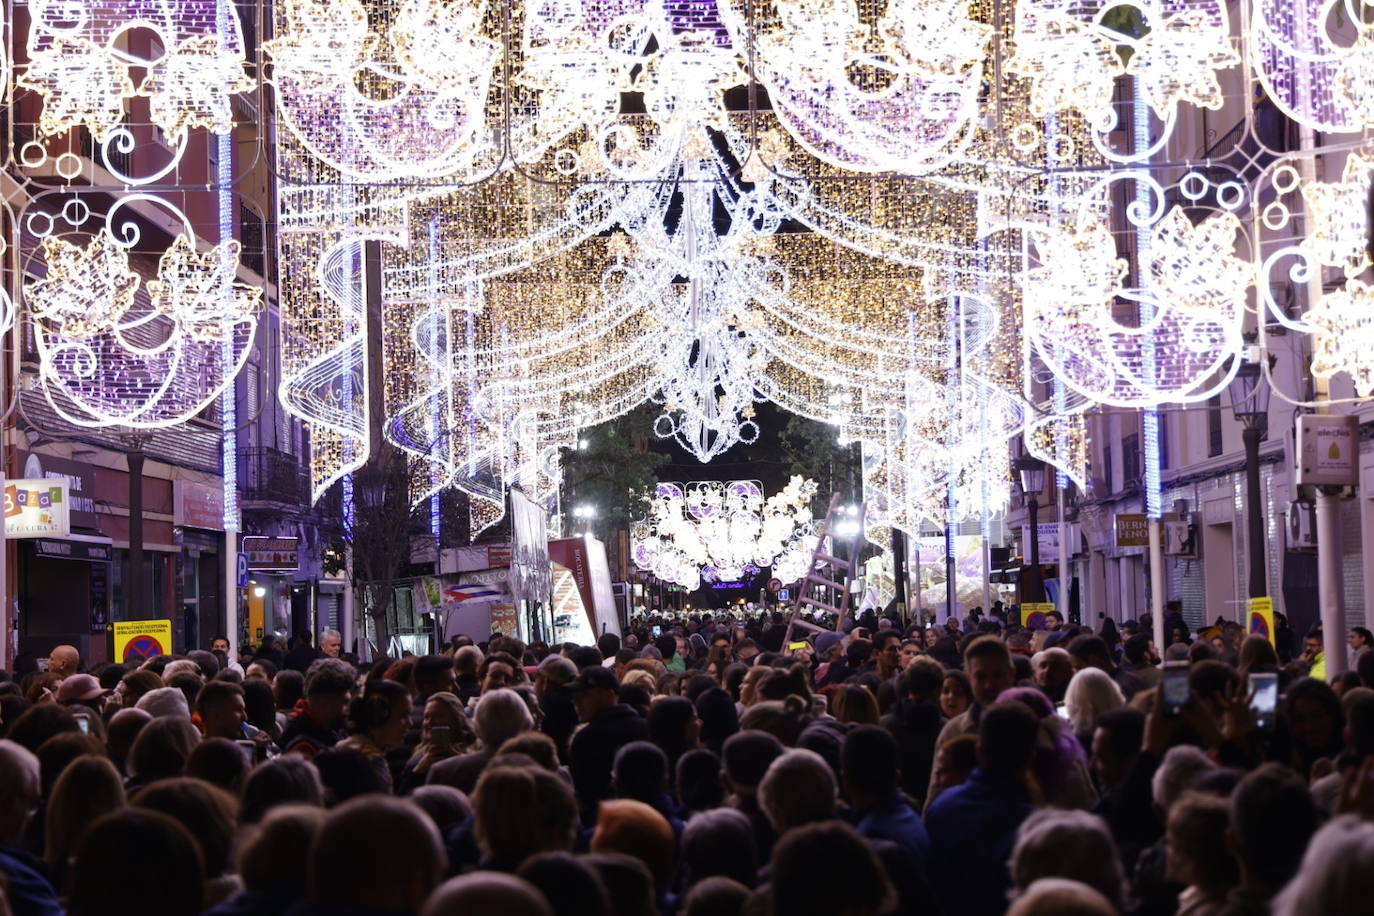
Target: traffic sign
(775, 585)
(141, 640)
(243, 570)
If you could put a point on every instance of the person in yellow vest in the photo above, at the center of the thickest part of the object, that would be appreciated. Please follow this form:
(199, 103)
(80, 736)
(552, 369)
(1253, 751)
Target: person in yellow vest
(1315, 657)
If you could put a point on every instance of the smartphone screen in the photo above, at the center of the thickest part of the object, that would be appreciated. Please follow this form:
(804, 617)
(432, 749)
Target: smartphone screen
(1175, 687)
(1266, 697)
(442, 736)
(656, 631)
(84, 724)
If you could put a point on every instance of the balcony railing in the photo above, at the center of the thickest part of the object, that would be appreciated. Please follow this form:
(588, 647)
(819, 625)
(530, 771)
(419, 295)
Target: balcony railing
(266, 474)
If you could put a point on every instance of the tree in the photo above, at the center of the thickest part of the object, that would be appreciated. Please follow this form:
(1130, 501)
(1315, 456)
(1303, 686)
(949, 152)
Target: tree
(810, 448)
(384, 531)
(612, 468)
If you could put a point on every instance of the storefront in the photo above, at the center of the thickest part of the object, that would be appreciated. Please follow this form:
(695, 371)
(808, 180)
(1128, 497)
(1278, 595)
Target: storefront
(64, 593)
(199, 520)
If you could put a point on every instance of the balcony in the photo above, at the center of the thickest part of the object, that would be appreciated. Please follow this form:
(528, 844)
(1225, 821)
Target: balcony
(269, 475)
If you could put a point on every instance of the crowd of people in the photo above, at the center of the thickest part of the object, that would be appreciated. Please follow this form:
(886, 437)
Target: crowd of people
(703, 765)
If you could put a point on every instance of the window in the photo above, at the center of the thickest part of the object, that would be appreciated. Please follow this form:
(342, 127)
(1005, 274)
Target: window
(1130, 459)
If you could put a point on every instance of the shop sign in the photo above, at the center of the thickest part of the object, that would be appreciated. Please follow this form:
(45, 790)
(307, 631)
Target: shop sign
(73, 550)
(80, 478)
(37, 507)
(197, 505)
(272, 554)
(1132, 529)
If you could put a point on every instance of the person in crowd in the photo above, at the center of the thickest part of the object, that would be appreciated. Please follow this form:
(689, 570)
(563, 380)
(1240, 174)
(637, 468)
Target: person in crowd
(373, 856)
(317, 722)
(302, 654)
(501, 715)
(26, 886)
(877, 807)
(973, 826)
(122, 843)
(1198, 858)
(1053, 843)
(824, 849)
(1091, 693)
(64, 661)
(607, 726)
(377, 721)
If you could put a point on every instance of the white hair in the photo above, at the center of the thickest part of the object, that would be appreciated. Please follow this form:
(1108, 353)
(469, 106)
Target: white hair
(1067, 844)
(1337, 872)
(501, 714)
(1091, 693)
(181, 666)
(798, 788)
(1177, 772)
(164, 701)
(1061, 897)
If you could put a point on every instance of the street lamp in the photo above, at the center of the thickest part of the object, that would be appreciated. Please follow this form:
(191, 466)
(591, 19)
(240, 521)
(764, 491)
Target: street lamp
(1031, 473)
(1250, 404)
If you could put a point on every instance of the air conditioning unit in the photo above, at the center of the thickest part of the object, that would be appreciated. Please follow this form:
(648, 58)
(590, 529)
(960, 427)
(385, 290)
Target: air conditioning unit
(1180, 539)
(1302, 526)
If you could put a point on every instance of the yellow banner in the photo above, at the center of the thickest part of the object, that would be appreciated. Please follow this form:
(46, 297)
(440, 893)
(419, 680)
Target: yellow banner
(139, 640)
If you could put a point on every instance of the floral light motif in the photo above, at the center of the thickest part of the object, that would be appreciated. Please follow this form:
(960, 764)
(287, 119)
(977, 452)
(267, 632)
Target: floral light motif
(1069, 63)
(1194, 291)
(1071, 58)
(79, 61)
(199, 291)
(114, 351)
(1339, 215)
(1177, 61)
(86, 290)
(1343, 340)
(82, 85)
(190, 86)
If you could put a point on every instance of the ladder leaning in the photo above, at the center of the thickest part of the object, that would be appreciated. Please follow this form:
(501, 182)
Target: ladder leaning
(810, 591)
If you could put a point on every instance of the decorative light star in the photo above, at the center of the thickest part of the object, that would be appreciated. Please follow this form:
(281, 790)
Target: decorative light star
(1194, 269)
(1339, 214)
(199, 292)
(1177, 61)
(87, 290)
(82, 84)
(191, 84)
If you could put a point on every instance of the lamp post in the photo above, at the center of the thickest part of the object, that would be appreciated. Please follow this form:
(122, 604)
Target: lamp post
(1031, 473)
(1250, 404)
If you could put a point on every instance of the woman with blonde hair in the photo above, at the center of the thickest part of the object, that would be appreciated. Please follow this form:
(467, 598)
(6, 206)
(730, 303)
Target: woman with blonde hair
(1091, 692)
(89, 787)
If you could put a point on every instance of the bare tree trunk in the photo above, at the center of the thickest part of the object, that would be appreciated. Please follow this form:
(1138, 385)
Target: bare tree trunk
(377, 609)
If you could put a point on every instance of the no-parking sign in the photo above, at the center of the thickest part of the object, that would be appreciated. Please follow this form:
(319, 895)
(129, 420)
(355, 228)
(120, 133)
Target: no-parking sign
(139, 640)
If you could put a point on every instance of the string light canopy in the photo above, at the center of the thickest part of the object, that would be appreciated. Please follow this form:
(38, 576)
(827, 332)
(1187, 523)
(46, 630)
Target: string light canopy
(902, 218)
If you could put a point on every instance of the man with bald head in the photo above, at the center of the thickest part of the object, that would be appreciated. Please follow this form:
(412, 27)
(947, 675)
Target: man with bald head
(21, 793)
(64, 661)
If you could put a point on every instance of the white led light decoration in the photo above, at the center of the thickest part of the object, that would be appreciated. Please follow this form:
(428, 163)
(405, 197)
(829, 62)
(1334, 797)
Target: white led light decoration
(724, 527)
(1197, 286)
(1072, 59)
(1338, 233)
(1311, 77)
(79, 61)
(115, 351)
(1343, 335)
